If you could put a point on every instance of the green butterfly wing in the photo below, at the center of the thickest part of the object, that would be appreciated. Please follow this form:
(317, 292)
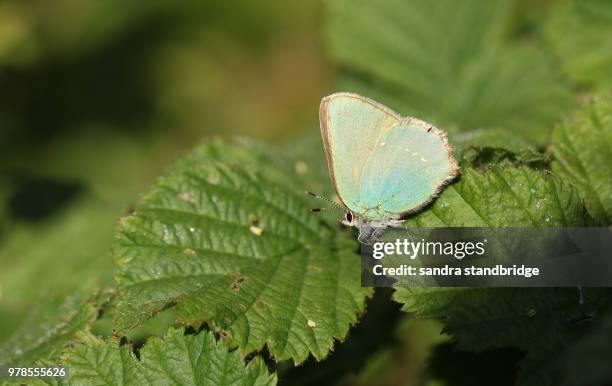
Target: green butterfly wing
(383, 165)
(351, 125)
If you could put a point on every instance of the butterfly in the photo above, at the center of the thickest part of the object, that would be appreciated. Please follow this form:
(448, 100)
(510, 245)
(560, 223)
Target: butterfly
(383, 166)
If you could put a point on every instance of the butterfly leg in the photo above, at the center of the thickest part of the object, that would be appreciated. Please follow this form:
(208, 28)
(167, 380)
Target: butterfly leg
(377, 233)
(363, 235)
(369, 234)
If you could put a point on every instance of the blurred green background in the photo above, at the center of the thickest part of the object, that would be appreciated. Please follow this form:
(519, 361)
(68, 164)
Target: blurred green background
(97, 98)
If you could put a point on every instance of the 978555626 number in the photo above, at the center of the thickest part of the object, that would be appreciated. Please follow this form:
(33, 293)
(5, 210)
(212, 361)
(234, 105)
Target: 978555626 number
(15, 372)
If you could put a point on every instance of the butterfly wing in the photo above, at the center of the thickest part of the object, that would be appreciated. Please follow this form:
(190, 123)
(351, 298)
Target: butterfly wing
(410, 165)
(351, 125)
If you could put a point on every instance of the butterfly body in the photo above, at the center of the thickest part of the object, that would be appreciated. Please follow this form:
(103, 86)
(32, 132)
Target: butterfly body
(383, 166)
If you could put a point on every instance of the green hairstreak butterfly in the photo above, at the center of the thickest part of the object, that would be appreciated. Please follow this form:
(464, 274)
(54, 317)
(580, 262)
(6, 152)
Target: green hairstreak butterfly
(384, 167)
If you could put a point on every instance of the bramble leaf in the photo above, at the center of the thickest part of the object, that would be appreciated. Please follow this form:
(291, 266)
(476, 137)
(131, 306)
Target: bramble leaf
(503, 195)
(545, 322)
(174, 359)
(227, 238)
(445, 62)
(582, 148)
(506, 195)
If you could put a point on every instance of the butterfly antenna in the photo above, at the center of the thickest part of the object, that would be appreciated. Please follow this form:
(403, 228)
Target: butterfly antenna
(320, 209)
(335, 204)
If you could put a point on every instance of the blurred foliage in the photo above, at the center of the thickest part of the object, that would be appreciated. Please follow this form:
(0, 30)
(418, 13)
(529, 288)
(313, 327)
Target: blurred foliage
(581, 36)
(154, 65)
(588, 363)
(403, 363)
(448, 62)
(47, 260)
(96, 98)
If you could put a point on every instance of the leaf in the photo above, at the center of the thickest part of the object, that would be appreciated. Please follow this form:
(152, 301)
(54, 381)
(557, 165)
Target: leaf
(227, 238)
(581, 34)
(582, 148)
(505, 195)
(174, 359)
(545, 322)
(50, 329)
(444, 61)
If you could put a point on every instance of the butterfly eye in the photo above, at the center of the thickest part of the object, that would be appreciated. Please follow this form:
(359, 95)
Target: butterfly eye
(349, 217)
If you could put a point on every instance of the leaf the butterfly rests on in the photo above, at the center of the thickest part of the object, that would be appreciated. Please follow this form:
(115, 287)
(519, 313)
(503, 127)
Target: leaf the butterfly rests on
(226, 239)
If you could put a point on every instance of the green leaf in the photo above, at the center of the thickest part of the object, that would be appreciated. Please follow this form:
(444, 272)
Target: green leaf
(582, 148)
(545, 322)
(444, 61)
(48, 330)
(227, 238)
(581, 34)
(505, 195)
(175, 359)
